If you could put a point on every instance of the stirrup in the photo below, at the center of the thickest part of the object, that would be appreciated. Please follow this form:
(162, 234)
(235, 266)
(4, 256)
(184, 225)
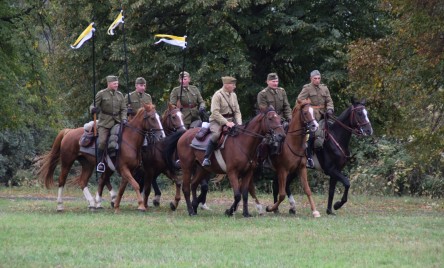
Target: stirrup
(101, 167)
(310, 163)
(206, 162)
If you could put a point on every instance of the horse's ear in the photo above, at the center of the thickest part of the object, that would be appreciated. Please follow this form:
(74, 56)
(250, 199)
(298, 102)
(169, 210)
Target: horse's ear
(263, 108)
(363, 101)
(354, 100)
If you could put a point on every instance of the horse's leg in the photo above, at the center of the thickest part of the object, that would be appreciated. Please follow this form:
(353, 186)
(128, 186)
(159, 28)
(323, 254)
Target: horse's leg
(157, 192)
(331, 193)
(282, 175)
(122, 186)
(87, 169)
(126, 175)
(194, 184)
(186, 185)
(252, 191)
(104, 179)
(202, 199)
(234, 182)
(66, 162)
(307, 190)
(245, 187)
(346, 182)
(291, 200)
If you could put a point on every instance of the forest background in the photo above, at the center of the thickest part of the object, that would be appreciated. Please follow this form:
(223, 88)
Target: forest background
(390, 52)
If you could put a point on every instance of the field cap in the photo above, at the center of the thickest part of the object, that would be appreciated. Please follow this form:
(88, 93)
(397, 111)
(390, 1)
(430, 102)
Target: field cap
(314, 73)
(111, 78)
(140, 80)
(184, 74)
(272, 76)
(228, 80)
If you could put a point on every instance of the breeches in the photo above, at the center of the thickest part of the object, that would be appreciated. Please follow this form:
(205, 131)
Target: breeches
(215, 129)
(103, 137)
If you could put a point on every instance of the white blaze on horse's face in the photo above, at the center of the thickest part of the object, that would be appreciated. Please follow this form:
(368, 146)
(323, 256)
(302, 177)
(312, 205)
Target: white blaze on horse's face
(181, 118)
(315, 124)
(367, 120)
(160, 125)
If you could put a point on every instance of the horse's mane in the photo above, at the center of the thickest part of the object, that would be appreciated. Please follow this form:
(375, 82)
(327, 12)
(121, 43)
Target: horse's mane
(300, 103)
(263, 111)
(147, 107)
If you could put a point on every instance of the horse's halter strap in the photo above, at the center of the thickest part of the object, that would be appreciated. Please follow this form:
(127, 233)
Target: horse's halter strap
(356, 126)
(304, 120)
(146, 133)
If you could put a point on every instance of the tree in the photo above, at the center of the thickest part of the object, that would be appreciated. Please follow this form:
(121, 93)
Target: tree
(402, 76)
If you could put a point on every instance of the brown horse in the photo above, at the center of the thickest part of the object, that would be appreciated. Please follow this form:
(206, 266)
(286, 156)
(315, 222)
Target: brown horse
(239, 154)
(292, 156)
(153, 162)
(66, 150)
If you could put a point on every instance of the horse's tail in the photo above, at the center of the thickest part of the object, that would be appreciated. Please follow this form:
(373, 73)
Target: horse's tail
(169, 149)
(50, 160)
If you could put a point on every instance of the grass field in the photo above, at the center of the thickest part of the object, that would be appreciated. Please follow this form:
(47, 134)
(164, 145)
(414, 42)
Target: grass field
(367, 232)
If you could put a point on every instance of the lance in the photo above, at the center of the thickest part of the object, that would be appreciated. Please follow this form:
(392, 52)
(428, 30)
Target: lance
(181, 82)
(94, 95)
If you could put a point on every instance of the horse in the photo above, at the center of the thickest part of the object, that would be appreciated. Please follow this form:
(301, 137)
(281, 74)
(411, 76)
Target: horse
(291, 158)
(66, 149)
(335, 153)
(239, 154)
(152, 162)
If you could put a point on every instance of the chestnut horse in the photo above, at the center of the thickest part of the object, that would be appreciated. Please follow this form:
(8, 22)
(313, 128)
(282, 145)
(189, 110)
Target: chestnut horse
(66, 150)
(153, 162)
(292, 158)
(239, 154)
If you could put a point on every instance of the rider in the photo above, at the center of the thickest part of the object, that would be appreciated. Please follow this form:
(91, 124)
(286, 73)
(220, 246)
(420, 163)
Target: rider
(138, 97)
(225, 111)
(110, 105)
(321, 102)
(188, 98)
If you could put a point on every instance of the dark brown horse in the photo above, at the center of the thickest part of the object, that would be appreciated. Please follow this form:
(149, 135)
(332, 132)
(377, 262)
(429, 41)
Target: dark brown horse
(239, 154)
(292, 158)
(66, 150)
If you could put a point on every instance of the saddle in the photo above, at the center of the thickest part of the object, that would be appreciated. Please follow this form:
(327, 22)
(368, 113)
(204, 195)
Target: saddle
(87, 144)
(87, 138)
(201, 144)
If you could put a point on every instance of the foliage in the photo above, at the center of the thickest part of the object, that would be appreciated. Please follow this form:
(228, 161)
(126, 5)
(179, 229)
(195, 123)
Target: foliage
(402, 76)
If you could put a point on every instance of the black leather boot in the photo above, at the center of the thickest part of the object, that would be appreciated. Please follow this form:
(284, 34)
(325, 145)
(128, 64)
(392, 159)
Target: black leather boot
(100, 166)
(210, 148)
(310, 143)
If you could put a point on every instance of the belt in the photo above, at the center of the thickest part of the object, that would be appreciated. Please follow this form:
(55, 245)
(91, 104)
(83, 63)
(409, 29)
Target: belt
(189, 106)
(228, 115)
(318, 107)
(111, 114)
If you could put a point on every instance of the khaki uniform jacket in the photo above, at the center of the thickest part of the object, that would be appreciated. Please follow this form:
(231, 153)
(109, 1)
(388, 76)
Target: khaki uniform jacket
(137, 99)
(112, 107)
(219, 108)
(276, 97)
(190, 102)
(320, 98)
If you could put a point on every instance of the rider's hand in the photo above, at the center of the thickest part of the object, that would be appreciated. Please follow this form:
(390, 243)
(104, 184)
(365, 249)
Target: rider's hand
(94, 110)
(202, 110)
(330, 112)
(230, 124)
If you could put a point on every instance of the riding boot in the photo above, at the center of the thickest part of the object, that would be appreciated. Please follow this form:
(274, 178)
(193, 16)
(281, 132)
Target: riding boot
(100, 166)
(310, 143)
(210, 148)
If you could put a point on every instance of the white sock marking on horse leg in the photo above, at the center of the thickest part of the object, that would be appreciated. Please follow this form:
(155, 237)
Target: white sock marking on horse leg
(88, 197)
(260, 209)
(98, 200)
(60, 199)
(292, 201)
(113, 195)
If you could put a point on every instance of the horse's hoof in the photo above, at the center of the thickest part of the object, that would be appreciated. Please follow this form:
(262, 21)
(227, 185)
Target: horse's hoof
(100, 207)
(156, 203)
(292, 211)
(228, 212)
(268, 209)
(193, 214)
(316, 214)
(112, 204)
(172, 206)
(337, 205)
(247, 215)
(93, 209)
(329, 212)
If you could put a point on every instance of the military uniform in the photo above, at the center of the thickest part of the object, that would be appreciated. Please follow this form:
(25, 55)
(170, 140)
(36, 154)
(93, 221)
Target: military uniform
(320, 98)
(137, 100)
(190, 102)
(276, 97)
(112, 110)
(221, 112)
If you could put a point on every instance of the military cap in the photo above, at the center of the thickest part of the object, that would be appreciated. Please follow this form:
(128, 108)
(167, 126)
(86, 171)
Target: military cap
(272, 76)
(140, 80)
(111, 78)
(314, 73)
(228, 80)
(184, 74)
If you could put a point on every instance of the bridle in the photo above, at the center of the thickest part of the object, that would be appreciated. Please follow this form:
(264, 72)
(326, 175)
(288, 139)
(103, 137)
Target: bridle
(355, 125)
(171, 127)
(148, 133)
(307, 122)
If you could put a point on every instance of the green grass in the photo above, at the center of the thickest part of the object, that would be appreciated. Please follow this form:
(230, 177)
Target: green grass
(367, 232)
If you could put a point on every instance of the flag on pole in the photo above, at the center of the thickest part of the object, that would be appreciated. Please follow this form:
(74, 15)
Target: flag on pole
(172, 40)
(116, 23)
(84, 36)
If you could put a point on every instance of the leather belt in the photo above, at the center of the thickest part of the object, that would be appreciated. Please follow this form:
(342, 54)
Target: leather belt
(228, 115)
(189, 106)
(111, 114)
